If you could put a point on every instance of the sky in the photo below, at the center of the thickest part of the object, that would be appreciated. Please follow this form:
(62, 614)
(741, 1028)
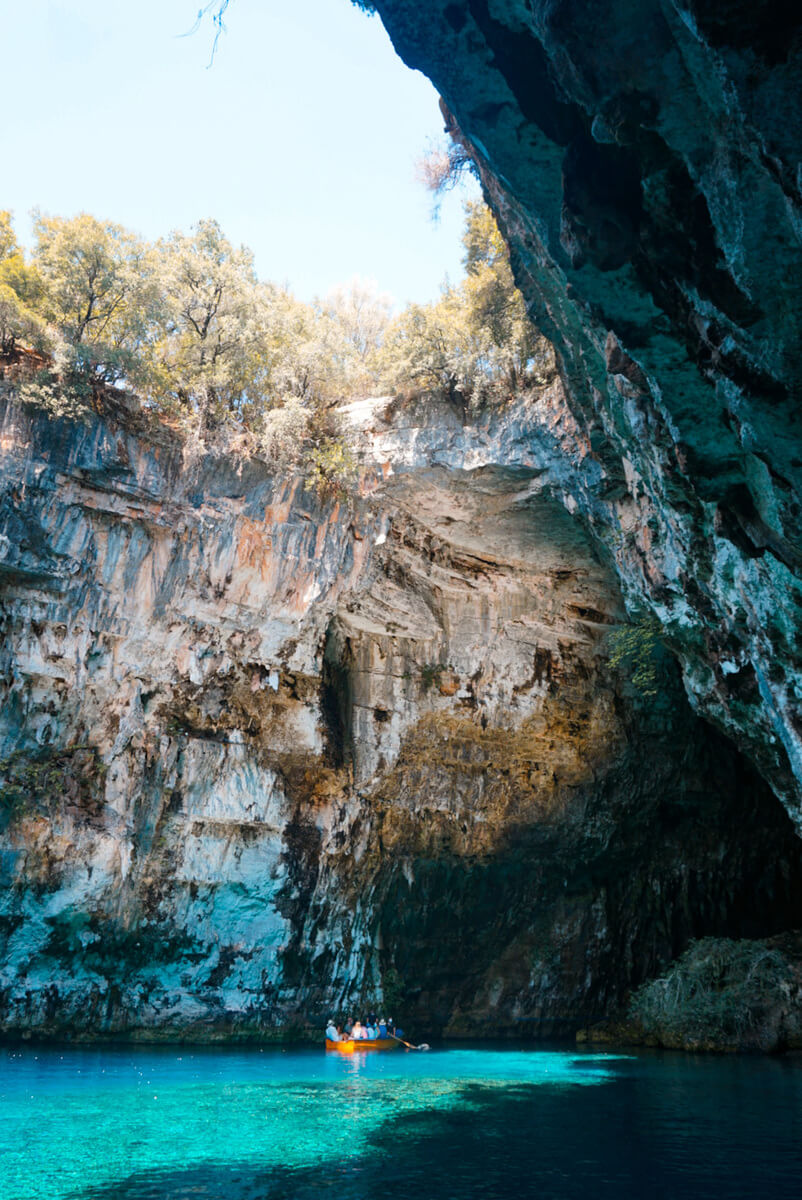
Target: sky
(300, 139)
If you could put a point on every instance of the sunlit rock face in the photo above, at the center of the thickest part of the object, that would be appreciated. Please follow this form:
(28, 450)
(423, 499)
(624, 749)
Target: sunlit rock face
(264, 758)
(643, 161)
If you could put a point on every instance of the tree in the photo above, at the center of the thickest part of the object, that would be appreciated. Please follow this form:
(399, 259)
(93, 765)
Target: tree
(361, 313)
(8, 239)
(210, 348)
(21, 293)
(98, 292)
(476, 341)
(496, 309)
(428, 347)
(352, 320)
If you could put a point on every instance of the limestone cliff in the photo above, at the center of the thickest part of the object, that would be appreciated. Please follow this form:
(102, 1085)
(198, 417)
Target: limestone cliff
(643, 161)
(262, 758)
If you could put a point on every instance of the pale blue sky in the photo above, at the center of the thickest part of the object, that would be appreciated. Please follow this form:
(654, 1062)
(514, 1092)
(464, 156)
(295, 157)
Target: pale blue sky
(301, 139)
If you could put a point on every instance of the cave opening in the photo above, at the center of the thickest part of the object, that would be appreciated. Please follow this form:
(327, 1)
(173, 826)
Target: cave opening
(206, 482)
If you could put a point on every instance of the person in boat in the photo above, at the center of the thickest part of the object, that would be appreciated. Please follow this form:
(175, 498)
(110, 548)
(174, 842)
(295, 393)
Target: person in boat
(358, 1031)
(349, 1025)
(370, 1031)
(382, 1030)
(332, 1032)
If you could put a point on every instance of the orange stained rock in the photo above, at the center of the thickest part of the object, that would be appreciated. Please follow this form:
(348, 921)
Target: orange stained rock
(449, 684)
(255, 547)
(278, 513)
(322, 530)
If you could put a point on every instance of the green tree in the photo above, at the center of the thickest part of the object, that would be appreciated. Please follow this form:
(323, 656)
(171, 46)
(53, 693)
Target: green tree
(476, 341)
(331, 469)
(511, 346)
(636, 649)
(351, 323)
(429, 347)
(210, 349)
(99, 293)
(21, 294)
(8, 239)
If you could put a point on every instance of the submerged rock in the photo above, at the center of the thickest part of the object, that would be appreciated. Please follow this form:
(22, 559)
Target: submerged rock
(721, 995)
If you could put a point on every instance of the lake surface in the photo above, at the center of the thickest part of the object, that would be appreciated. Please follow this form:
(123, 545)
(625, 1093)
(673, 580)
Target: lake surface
(455, 1124)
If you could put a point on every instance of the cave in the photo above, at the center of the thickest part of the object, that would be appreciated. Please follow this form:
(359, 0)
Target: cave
(284, 735)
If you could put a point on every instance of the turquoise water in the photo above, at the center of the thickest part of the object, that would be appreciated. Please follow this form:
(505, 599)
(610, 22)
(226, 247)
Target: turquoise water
(456, 1124)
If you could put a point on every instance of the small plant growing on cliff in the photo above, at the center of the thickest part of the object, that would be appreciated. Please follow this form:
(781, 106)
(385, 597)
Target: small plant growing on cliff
(393, 990)
(431, 674)
(331, 469)
(36, 780)
(635, 648)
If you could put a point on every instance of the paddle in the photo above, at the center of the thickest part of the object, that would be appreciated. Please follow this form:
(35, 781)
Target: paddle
(409, 1046)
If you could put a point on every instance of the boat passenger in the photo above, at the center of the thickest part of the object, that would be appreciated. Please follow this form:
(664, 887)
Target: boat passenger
(371, 1032)
(358, 1031)
(332, 1032)
(349, 1025)
(382, 1027)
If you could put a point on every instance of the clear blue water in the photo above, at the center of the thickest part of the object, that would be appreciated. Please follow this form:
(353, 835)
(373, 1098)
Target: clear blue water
(456, 1124)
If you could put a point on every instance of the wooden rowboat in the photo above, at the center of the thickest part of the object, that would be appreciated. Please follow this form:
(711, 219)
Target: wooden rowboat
(359, 1044)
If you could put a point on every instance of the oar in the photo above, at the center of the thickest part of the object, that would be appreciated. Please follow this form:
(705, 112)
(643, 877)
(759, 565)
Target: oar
(409, 1046)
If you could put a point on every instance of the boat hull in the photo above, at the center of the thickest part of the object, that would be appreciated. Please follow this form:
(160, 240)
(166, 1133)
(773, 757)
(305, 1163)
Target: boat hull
(357, 1046)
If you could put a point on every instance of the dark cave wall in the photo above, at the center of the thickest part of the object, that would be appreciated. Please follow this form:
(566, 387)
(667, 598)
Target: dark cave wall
(524, 884)
(643, 161)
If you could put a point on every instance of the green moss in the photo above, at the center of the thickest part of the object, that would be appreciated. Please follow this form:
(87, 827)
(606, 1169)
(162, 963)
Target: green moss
(636, 649)
(394, 990)
(431, 674)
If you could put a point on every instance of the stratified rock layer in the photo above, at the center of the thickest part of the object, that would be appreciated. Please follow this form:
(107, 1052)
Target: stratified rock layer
(262, 759)
(644, 163)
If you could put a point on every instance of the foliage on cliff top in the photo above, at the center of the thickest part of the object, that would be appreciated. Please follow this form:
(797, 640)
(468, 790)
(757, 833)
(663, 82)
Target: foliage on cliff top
(230, 360)
(721, 993)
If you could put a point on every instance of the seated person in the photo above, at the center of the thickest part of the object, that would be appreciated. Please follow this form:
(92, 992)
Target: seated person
(332, 1032)
(358, 1031)
(382, 1027)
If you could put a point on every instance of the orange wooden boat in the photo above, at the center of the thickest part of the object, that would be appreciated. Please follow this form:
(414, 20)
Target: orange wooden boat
(359, 1044)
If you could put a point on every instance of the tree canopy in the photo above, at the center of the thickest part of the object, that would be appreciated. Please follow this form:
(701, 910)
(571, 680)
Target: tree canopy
(187, 324)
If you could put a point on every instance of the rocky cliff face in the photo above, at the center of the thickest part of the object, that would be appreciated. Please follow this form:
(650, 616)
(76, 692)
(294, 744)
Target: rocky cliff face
(643, 161)
(263, 758)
